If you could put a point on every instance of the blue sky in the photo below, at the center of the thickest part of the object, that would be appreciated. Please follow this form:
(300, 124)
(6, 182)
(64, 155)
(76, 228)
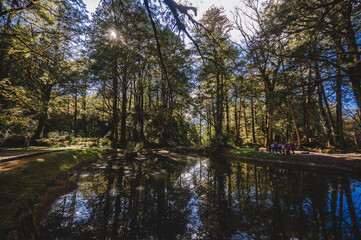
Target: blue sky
(202, 5)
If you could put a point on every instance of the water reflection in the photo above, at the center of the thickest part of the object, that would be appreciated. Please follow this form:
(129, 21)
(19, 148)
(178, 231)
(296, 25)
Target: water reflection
(184, 197)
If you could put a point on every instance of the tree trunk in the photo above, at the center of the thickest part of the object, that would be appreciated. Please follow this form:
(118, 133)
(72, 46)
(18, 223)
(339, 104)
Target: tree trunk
(339, 120)
(43, 114)
(70, 125)
(227, 114)
(114, 129)
(353, 56)
(307, 110)
(332, 122)
(219, 105)
(325, 121)
(269, 88)
(141, 111)
(245, 127)
(236, 121)
(76, 111)
(209, 126)
(355, 79)
(269, 125)
(200, 129)
(123, 126)
(253, 125)
(84, 121)
(295, 126)
(4, 45)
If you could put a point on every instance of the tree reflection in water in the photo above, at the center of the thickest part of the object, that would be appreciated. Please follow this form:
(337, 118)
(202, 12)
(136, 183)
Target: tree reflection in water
(184, 197)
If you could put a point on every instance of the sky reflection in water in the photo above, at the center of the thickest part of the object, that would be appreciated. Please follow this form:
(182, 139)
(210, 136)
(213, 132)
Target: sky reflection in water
(189, 197)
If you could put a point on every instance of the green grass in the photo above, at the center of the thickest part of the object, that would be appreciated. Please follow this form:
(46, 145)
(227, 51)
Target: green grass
(21, 187)
(351, 165)
(251, 153)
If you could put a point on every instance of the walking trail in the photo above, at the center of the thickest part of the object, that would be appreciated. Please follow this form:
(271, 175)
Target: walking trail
(10, 159)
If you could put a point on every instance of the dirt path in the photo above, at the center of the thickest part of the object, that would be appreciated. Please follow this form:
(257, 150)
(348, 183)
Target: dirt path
(344, 162)
(10, 159)
(348, 156)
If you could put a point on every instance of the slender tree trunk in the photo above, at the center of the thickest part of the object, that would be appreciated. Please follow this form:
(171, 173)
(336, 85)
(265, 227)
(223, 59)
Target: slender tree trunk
(69, 115)
(269, 88)
(76, 111)
(339, 120)
(245, 127)
(4, 45)
(219, 105)
(227, 114)
(353, 56)
(200, 129)
(43, 114)
(253, 127)
(239, 121)
(295, 126)
(123, 126)
(236, 121)
(141, 110)
(84, 121)
(332, 122)
(136, 100)
(325, 121)
(307, 110)
(288, 128)
(149, 95)
(209, 126)
(355, 79)
(114, 129)
(269, 125)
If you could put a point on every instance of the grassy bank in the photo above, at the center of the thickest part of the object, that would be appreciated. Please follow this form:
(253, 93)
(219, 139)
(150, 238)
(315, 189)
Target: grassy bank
(349, 165)
(20, 188)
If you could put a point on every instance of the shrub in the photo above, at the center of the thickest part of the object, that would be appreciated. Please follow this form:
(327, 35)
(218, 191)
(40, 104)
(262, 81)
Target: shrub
(104, 142)
(14, 141)
(46, 142)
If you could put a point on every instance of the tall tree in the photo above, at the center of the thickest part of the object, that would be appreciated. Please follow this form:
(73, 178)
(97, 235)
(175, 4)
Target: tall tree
(213, 41)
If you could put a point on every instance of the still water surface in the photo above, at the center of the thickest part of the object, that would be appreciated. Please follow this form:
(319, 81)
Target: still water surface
(190, 197)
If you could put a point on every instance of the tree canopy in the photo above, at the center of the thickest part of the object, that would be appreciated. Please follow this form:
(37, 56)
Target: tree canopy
(148, 72)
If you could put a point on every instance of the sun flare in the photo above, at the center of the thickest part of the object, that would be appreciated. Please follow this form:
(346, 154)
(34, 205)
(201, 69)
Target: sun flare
(113, 34)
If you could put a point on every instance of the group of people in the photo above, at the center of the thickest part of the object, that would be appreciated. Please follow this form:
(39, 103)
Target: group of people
(281, 148)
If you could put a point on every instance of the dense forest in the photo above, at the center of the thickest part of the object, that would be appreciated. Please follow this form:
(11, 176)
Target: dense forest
(148, 72)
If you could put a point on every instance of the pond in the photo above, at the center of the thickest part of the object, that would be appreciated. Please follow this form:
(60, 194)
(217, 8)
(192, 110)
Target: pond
(172, 196)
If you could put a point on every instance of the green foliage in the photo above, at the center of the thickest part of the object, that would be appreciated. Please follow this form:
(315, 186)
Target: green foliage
(125, 78)
(251, 153)
(64, 135)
